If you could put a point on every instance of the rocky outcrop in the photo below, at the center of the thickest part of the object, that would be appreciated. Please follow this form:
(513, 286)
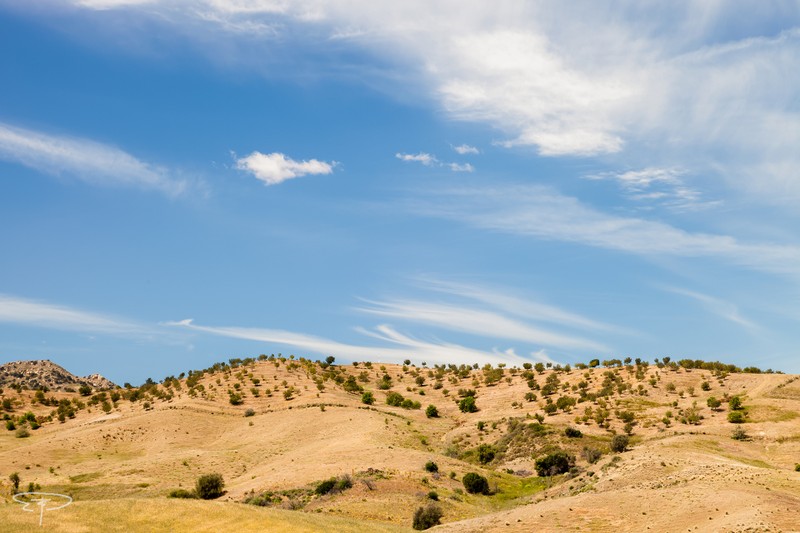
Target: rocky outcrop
(46, 374)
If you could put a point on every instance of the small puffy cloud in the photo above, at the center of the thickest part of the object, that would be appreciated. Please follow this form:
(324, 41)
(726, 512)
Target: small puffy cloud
(276, 168)
(431, 161)
(465, 149)
(456, 167)
(426, 159)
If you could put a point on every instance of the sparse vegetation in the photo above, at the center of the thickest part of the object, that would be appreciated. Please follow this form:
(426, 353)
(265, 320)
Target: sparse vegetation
(619, 443)
(427, 516)
(554, 464)
(475, 483)
(209, 486)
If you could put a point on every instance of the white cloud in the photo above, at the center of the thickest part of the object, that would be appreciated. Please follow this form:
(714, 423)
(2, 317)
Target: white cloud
(394, 347)
(480, 322)
(21, 311)
(659, 186)
(465, 149)
(721, 308)
(457, 167)
(525, 308)
(276, 168)
(432, 161)
(426, 159)
(542, 213)
(571, 78)
(90, 161)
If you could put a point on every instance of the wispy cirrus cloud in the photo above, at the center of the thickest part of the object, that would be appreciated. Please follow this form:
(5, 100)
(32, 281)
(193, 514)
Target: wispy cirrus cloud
(86, 160)
(542, 213)
(526, 308)
(480, 322)
(26, 312)
(658, 186)
(275, 168)
(716, 306)
(394, 346)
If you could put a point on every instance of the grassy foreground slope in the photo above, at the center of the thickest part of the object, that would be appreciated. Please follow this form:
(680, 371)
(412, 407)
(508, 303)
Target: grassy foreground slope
(161, 515)
(296, 423)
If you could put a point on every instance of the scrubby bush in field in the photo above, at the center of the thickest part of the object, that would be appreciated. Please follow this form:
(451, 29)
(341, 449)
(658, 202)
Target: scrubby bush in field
(555, 463)
(182, 493)
(592, 455)
(209, 486)
(475, 483)
(619, 443)
(467, 405)
(427, 517)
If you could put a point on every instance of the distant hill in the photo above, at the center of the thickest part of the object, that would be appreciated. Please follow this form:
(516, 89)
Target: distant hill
(44, 373)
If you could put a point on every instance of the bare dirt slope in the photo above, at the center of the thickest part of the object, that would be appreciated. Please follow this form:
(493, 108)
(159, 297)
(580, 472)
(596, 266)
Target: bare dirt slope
(298, 423)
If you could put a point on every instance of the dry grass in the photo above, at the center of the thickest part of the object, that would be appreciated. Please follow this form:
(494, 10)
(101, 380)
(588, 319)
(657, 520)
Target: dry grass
(121, 466)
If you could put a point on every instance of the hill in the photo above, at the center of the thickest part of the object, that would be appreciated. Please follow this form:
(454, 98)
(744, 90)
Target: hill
(275, 428)
(44, 374)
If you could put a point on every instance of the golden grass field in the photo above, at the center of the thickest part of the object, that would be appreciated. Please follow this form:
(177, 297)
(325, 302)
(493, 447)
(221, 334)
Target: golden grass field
(120, 466)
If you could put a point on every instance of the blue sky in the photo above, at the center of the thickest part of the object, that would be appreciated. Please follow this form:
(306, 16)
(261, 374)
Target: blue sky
(184, 182)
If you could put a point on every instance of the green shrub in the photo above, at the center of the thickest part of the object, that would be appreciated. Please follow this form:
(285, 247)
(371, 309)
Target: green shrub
(713, 403)
(486, 453)
(324, 487)
(334, 485)
(739, 434)
(573, 433)
(735, 403)
(395, 399)
(432, 412)
(467, 405)
(592, 455)
(433, 495)
(182, 493)
(426, 517)
(797, 467)
(736, 417)
(430, 466)
(209, 486)
(619, 443)
(475, 483)
(235, 398)
(555, 463)
(368, 398)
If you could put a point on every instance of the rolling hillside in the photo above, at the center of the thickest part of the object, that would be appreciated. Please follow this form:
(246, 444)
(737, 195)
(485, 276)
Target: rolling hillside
(275, 428)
